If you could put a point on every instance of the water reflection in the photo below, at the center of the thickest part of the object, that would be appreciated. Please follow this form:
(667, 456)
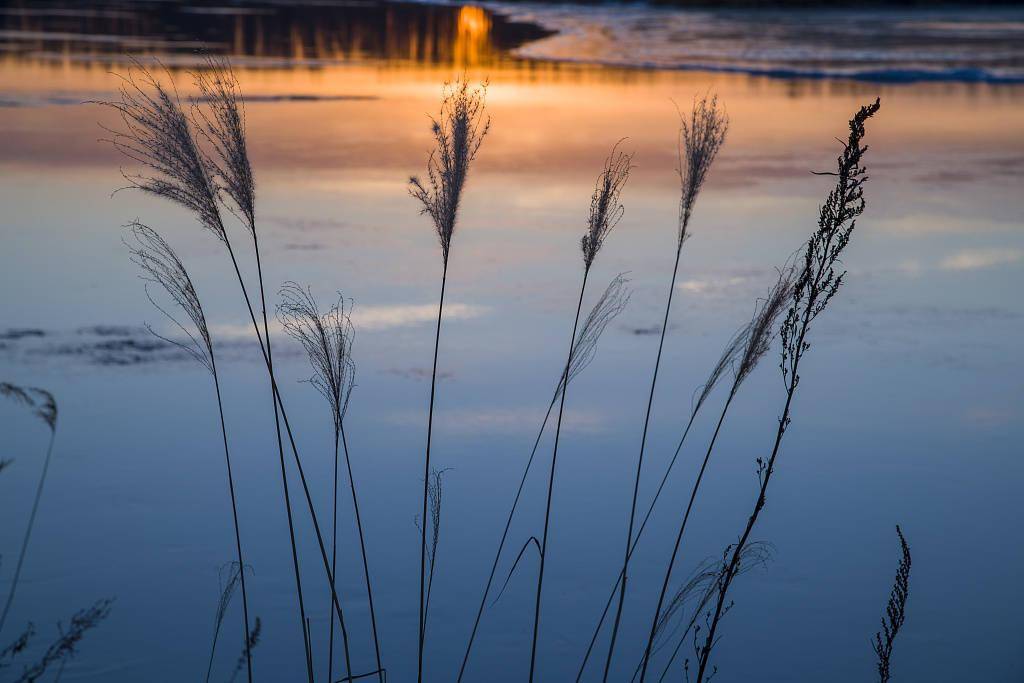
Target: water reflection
(922, 348)
(264, 36)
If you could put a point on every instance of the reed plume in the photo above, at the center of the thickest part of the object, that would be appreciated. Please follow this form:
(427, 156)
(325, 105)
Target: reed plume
(435, 496)
(161, 266)
(606, 210)
(458, 132)
(612, 302)
(756, 338)
(327, 339)
(228, 586)
(895, 611)
(158, 135)
(44, 407)
(818, 280)
(701, 136)
(221, 123)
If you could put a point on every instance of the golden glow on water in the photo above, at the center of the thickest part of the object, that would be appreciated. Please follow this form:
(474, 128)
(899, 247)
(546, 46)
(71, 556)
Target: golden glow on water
(473, 39)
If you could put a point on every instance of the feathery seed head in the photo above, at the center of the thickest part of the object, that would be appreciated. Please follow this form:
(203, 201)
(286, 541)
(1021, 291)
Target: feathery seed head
(327, 339)
(219, 118)
(161, 265)
(612, 302)
(761, 328)
(158, 134)
(40, 401)
(701, 136)
(458, 132)
(605, 208)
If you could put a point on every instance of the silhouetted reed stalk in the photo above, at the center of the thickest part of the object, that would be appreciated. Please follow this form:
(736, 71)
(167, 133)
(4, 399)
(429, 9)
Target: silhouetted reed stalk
(725, 361)
(816, 283)
(755, 339)
(458, 132)
(895, 611)
(327, 339)
(607, 308)
(606, 211)
(43, 406)
(161, 137)
(161, 265)
(700, 138)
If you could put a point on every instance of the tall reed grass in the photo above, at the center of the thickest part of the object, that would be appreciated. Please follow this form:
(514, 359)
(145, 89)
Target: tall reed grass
(701, 136)
(458, 132)
(611, 303)
(327, 339)
(817, 281)
(606, 210)
(161, 266)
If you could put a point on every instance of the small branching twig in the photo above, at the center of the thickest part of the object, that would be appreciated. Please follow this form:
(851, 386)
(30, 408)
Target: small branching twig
(67, 641)
(895, 611)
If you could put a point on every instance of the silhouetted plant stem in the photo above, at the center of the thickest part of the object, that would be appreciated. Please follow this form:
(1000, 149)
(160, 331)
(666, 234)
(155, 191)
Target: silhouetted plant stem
(279, 404)
(700, 139)
(362, 548)
(327, 338)
(608, 306)
(426, 476)
(639, 467)
(679, 536)
(161, 265)
(28, 531)
(334, 561)
(268, 359)
(636, 541)
(704, 653)
(816, 284)
(458, 132)
(504, 535)
(743, 353)
(551, 482)
(238, 538)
